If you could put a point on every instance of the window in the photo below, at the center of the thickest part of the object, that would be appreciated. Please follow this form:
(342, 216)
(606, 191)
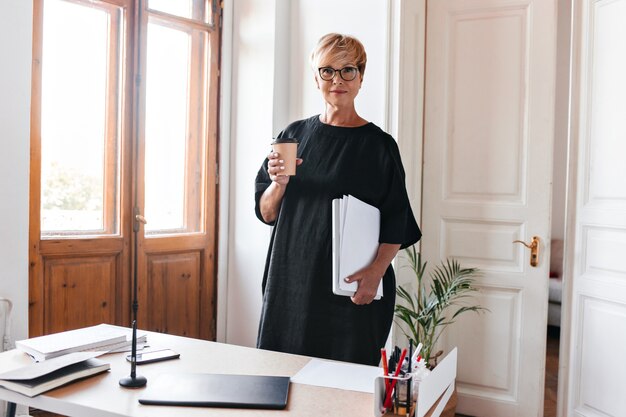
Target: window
(80, 119)
(174, 124)
(124, 111)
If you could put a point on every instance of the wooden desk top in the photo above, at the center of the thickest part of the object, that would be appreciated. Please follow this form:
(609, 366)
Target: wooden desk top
(102, 396)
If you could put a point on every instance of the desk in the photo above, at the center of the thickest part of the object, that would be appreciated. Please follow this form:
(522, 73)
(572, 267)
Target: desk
(102, 396)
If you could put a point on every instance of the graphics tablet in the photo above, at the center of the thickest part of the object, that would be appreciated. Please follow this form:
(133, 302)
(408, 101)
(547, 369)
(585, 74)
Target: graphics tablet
(217, 390)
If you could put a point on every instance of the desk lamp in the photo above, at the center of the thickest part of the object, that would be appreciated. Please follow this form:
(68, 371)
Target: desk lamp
(134, 380)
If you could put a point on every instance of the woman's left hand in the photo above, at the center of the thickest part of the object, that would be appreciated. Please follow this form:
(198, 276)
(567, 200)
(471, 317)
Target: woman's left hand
(369, 277)
(367, 280)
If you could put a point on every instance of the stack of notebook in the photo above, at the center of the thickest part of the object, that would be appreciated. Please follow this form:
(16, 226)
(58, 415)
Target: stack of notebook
(32, 380)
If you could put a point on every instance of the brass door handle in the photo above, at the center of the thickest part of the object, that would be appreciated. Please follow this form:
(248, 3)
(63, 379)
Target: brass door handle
(534, 250)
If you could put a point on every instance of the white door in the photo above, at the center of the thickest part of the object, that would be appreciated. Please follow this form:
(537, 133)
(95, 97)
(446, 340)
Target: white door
(488, 139)
(596, 246)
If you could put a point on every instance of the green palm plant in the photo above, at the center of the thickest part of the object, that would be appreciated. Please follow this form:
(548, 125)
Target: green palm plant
(426, 314)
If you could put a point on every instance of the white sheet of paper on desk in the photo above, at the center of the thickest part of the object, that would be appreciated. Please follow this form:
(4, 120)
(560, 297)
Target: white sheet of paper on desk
(340, 375)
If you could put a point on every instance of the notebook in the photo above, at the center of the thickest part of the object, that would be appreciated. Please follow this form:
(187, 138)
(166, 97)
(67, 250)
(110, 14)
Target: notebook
(217, 390)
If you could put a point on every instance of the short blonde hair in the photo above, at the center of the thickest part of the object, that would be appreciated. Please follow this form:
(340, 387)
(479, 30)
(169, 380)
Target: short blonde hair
(335, 46)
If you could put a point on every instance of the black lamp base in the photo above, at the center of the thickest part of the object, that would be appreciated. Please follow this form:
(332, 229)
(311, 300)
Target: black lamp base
(133, 382)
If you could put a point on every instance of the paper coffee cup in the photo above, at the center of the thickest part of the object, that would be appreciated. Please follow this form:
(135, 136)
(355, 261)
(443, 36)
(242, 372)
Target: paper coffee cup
(287, 149)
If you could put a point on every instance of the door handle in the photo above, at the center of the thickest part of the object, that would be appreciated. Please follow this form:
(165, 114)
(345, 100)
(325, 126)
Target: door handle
(534, 249)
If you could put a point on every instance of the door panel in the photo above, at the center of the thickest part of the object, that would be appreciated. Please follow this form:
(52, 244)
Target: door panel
(489, 110)
(491, 372)
(487, 58)
(174, 301)
(80, 291)
(600, 365)
(595, 255)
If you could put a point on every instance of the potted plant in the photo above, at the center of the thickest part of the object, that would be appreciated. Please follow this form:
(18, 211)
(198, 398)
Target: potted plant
(436, 303)
(425, 313)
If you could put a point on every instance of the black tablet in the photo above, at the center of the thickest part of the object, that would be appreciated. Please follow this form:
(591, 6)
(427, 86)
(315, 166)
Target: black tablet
(217, 390)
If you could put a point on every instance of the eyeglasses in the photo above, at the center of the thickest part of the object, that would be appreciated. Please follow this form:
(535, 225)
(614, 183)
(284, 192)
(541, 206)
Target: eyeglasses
(346, 73)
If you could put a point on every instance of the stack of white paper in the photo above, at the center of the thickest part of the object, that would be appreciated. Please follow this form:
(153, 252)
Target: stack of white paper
(103, 337)
(356, 228)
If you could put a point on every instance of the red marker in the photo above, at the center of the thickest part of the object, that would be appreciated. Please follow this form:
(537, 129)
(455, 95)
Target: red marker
(387, 403)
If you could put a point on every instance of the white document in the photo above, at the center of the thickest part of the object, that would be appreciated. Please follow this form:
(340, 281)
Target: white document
(356, 229)
(340, 375)
(102, 337)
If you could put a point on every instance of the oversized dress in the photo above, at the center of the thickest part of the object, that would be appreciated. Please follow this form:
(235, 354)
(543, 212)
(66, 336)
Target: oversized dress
(300, 313)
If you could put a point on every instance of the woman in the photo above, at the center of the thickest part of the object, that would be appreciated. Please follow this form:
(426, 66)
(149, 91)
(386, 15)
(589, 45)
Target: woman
(339, 153)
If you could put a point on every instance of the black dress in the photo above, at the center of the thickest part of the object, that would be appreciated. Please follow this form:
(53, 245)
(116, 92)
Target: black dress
(300, 313)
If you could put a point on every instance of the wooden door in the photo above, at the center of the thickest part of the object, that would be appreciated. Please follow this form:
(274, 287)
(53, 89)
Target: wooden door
(177, 170)
(595, 269)
(131, 129)
(488, 138)
(80, 176)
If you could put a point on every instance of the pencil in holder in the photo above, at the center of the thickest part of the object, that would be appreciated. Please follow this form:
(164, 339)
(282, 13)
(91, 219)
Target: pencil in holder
(393, 396)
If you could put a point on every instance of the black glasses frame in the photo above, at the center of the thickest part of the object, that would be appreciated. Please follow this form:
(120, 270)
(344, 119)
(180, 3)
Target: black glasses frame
(340, 71)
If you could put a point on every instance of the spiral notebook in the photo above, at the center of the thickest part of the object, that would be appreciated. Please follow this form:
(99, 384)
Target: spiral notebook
(217, 390)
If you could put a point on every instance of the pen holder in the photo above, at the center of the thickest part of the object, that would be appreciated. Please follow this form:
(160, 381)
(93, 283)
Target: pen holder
(402, 403)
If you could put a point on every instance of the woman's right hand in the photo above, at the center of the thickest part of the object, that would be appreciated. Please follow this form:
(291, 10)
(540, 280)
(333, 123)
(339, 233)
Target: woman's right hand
(275, 167)
(273, 195)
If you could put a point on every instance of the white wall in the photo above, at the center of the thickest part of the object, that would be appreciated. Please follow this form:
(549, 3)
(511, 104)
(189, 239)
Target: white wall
(367, 20)
(271, 85)
(251, 130)
(16, 50)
